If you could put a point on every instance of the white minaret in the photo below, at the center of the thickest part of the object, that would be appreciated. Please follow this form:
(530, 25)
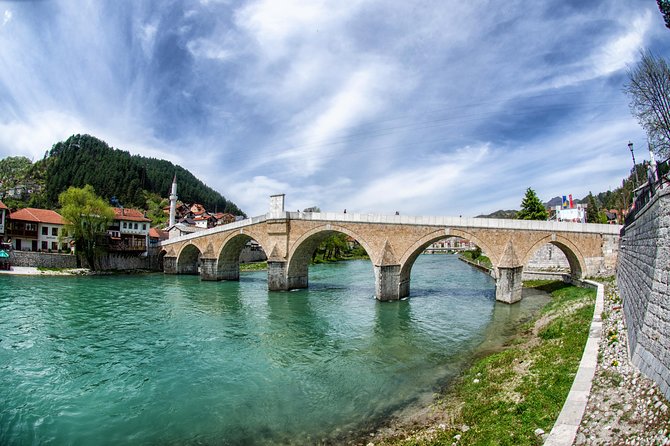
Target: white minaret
(173, 200)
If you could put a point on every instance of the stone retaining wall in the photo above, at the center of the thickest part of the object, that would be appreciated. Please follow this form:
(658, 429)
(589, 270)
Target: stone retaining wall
(643, 272)
(110, 261)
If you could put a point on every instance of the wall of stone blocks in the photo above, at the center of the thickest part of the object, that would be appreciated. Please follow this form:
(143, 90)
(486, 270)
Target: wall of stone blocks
(549, 257)
(643, 272)
(107, 261)
(42, 259)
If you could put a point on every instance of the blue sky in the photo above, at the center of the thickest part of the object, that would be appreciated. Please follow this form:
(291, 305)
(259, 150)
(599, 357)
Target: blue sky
(424, 107)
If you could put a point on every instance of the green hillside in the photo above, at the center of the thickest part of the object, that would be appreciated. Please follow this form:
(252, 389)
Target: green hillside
(84, 159)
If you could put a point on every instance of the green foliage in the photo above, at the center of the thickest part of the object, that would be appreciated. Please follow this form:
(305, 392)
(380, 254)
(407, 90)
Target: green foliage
(476, 256)
(592, 210)
(337, 247)
(154, 206)
(531, 207)
(664, 7)
(87, 217)
(14, 170)
(84, 159)
(504, 397)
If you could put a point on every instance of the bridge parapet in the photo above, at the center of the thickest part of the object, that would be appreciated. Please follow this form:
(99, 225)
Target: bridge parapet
(393, 243)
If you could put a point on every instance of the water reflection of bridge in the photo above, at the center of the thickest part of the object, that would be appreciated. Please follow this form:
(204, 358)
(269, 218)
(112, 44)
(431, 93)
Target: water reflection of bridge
(393, 243)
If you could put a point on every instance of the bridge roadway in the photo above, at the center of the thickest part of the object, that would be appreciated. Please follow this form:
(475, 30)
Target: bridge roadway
(393, 243)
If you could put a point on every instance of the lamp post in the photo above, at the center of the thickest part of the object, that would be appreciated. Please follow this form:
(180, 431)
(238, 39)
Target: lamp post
(630, 146)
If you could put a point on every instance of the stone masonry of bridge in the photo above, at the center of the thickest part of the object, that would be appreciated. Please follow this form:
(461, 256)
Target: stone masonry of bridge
(393, 243)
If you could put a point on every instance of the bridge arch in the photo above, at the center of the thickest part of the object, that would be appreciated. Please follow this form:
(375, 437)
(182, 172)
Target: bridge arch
(300, 253)
(413, 253)
(228, 259)
(571, 251)
(188, 259)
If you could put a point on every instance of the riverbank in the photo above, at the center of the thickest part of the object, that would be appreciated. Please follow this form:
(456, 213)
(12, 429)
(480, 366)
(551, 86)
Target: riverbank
(486, 405)
(514, 395)
(32, 271)
(624, 406)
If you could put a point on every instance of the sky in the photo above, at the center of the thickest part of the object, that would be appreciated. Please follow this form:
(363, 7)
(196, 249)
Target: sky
(423, 107)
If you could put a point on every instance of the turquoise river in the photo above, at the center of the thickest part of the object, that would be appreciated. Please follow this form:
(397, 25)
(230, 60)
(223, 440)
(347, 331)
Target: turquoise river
(153, 359)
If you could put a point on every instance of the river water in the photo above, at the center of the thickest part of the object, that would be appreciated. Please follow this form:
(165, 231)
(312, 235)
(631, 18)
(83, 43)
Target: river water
(153, 359)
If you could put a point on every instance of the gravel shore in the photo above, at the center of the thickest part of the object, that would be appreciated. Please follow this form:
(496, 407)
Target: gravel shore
(624, 407)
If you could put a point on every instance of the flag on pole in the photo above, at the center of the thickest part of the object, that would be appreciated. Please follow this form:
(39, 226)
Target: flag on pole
(564, 205)
(572, 205)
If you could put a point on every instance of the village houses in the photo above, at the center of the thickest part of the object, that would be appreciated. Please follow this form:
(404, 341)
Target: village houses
(32, 229)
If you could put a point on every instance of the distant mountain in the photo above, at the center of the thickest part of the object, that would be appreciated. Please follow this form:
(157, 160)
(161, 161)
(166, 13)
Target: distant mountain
(509, 214)
(557, 201)
(84, 159)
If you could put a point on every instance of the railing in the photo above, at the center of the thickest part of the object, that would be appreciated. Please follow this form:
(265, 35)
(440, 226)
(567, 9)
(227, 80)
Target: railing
(21, 233)
(646, 192)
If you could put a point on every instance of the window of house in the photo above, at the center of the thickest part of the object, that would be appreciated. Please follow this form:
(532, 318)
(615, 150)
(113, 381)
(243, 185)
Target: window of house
(135, 225)
(54, 231)
(45, 230)
(44, 246)
(144, 226)
(125, 225)
(54, 246)
(31, 227)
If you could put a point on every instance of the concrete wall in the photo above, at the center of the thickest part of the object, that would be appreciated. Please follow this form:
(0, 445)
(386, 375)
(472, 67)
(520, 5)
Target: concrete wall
(643, 272)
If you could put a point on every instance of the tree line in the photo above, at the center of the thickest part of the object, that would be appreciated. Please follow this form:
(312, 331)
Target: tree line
(131, 180)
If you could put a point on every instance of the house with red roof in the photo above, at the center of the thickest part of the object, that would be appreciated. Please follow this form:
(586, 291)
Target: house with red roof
(129, 231)
(4, 211)
(32, 229)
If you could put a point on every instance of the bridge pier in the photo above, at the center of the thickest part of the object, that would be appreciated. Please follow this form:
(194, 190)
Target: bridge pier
(388, 284)
(208, 270)
(277, 276)
(509, 284)
(228, 270)
(169, 265)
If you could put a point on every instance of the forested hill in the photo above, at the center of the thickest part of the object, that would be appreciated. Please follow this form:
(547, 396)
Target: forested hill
(84, 159)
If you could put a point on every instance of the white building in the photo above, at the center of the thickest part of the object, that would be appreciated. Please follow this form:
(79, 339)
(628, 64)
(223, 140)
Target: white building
(129, 232)
(33, 229)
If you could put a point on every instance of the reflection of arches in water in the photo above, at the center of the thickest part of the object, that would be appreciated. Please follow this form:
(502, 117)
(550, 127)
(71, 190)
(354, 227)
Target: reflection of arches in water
(188, 260)
(420, 246)
(300, 256)
(294, 330)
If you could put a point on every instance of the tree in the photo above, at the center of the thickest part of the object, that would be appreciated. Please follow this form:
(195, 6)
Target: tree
(649, 92)
(664, 6)
(531, 207)
(87, 217)
(593, 212)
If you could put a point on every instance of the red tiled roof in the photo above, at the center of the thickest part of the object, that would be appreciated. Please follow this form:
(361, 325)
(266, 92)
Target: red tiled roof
(127, 214)
(157, 233)
(2, 205)
(38, 216)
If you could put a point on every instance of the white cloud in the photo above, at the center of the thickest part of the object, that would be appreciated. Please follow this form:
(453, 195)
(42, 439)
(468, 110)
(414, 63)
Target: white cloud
(207, 49)
(620, 52)
(6, 17)
(147, 36)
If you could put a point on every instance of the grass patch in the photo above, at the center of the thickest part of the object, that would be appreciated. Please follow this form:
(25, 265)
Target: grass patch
(504, 397)
(253, 266)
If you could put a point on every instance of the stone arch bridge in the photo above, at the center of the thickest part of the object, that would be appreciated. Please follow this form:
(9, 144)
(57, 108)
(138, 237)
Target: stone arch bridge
(393, 244)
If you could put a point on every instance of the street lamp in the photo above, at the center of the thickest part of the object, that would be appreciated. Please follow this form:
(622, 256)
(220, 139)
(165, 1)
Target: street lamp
(630, 146)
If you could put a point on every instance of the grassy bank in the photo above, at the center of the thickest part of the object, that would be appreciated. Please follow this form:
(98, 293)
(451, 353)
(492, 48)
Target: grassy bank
(504, 398)
(254, 266)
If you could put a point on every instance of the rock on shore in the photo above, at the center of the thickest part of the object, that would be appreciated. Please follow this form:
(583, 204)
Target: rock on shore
(624, 407)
